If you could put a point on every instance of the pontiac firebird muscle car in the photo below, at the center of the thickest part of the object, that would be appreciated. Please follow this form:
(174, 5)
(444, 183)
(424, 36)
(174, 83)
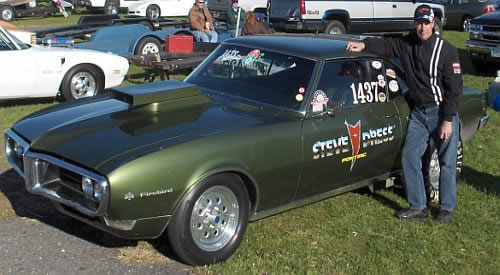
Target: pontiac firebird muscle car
(263, 125)
(40, 71)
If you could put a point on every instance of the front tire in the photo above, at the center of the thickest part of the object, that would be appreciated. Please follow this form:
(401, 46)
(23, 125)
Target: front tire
(7, 13)
(465, 23)
(432, 170)
(335, 27)
(210, 221)
(81, 81)
(153, 12)
(147, 45)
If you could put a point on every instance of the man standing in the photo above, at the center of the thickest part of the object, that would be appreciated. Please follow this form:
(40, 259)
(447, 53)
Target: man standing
(232, 18)
(434, 76)
(201, 22)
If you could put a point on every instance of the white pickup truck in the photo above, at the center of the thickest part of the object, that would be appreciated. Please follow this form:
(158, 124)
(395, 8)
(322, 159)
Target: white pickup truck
(218, 7)
(349, 16)
(109, 6)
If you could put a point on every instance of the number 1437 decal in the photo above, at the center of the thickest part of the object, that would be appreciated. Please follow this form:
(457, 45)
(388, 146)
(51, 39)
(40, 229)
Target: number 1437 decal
(367, 92)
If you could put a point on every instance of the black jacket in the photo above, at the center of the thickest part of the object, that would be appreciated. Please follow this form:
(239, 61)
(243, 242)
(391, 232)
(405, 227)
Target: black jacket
(432, 69)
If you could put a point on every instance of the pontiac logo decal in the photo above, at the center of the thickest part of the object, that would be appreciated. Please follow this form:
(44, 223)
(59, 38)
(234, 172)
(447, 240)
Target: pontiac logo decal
(355, 136)
(129, 196)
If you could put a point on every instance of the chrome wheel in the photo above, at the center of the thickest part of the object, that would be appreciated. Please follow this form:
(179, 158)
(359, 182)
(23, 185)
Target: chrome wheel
(150, 48)
(83, 84)
(7, 14)
(214, 218)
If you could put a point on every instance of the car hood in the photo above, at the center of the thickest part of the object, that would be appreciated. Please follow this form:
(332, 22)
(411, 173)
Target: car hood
(492, 18)
(103, 132)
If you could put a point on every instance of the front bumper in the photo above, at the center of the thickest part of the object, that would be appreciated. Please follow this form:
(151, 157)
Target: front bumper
(483, 50)
(297, 25)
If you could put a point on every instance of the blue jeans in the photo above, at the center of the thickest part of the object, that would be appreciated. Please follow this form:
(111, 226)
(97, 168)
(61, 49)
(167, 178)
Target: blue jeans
(425, 123)
(204, 37)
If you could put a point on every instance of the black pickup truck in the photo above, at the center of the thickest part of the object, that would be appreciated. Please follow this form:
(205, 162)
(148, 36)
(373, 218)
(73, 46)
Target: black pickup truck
(483, 44)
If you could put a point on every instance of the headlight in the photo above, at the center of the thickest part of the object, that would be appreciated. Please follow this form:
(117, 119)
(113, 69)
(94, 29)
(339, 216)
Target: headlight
(88, 187)
(474, 27)
(92, 189)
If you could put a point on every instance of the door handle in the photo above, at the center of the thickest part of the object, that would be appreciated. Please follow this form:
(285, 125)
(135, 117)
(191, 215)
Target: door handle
(394, 6)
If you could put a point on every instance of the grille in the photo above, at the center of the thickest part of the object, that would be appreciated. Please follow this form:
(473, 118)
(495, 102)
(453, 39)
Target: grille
(491, 28)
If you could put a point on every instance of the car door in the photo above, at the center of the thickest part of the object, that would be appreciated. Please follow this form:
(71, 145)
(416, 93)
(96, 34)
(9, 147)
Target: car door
(403, 13)
(18, 69)
(358, 138)
(382, 15)
(454, 11)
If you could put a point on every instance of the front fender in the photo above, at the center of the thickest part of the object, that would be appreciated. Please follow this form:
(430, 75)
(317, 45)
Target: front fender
(337, 14)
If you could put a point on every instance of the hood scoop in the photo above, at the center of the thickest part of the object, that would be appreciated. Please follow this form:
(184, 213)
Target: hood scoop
(161, 96)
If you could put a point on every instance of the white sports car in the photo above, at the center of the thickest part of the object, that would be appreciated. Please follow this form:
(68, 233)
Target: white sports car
(156, 8)
(40, 71)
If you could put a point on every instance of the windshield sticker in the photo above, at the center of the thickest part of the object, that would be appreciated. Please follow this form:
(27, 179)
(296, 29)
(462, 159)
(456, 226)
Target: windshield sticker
(381, 80)
(393, 86)
(353, 141)
(390, 73)
(230, 55)
(299, 97)
(252, 57)
(381, 97)
(366, 92)
(377, 65)
(319, 101)
(302, 90)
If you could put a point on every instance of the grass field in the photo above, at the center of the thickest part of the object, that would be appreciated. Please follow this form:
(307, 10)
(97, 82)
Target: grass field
(357, 233)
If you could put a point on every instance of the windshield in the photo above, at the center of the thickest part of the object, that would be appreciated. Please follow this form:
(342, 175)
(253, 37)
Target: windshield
(256, 74)
(7, 44)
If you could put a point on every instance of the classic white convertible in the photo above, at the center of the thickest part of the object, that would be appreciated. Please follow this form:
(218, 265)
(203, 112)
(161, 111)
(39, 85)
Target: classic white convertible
(41, 71)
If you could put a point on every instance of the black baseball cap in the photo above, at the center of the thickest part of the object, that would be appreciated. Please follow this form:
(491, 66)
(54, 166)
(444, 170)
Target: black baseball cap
(234, 1)
(424, 13)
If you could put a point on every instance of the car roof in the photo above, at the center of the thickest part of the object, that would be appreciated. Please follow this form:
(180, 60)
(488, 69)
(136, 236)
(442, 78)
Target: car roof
(314, 46)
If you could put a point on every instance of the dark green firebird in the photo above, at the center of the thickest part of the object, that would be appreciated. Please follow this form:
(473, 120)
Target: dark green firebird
(263, 125)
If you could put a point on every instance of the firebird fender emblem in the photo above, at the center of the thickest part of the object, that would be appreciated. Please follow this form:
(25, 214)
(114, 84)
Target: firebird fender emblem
(129, 196)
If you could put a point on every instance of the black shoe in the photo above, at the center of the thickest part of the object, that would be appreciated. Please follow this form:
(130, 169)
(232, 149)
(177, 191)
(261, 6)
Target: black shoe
(414, 214)
(444, 216)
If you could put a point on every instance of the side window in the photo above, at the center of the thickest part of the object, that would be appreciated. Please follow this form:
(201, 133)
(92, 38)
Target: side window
(396, 81)
(351, 83)
(5, 44)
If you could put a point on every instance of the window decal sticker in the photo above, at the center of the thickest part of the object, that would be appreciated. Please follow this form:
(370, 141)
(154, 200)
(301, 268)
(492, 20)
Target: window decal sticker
(319, 101)
(252, 57)
(302, 90)
(382, 97)
(390, 73)
(299, 97)
(381, 80)
(393, 86)
(366, 92)
(377, 65)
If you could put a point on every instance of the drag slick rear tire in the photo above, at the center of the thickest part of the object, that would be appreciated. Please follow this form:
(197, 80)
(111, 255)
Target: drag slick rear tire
(208, 225)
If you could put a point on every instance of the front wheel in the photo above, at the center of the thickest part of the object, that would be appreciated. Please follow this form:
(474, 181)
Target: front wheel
(432, 170)
(7, 13)
(465, 23)
(153, 11)
(210, 221)
(335, 27)
(81, 81)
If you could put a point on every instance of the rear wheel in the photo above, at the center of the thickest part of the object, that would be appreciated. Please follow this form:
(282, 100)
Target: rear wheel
(148, 45)
(81, 81)
(210, 222)
(7, 13)
(153, 12)
(112, 7)
(438, 26)
(335, 27)
(432, 170)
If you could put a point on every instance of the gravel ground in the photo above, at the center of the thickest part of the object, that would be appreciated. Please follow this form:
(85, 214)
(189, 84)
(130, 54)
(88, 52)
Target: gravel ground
(36, 238)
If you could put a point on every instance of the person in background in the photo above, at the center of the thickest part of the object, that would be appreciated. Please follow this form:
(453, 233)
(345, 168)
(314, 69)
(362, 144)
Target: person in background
(232, 18)
(252, 26)
(432, 68)
(201, 22)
